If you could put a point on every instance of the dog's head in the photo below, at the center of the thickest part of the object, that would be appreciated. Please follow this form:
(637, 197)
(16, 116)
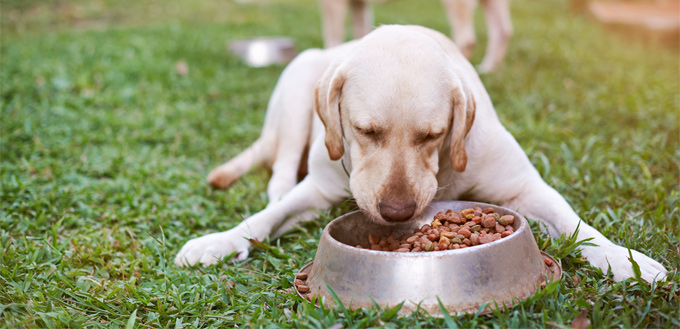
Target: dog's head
(397, 102)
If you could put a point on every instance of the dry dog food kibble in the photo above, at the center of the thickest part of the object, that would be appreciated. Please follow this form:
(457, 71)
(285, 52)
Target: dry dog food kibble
(449, 230)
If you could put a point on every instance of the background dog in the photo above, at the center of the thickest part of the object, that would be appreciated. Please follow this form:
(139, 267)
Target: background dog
(459, 12)
(412, 123)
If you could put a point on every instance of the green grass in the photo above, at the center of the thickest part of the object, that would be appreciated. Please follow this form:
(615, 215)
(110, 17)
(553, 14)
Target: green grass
(105, 149)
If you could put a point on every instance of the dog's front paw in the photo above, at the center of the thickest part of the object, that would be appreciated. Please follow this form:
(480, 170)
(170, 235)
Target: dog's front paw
(618, 258)
(211, 248)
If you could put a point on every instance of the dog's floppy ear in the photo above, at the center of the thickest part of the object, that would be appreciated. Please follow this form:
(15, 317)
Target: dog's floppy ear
(464, 107)
(327, 102)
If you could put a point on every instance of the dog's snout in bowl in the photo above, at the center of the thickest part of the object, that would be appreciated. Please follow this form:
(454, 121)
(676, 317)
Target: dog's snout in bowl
(397, 210)
(502, 271)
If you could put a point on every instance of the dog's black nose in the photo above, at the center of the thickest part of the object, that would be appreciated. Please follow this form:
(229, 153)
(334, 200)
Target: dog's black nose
(397, 211)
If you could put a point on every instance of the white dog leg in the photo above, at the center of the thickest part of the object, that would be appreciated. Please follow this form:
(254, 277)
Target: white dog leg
(499, 27)
(333, 13)
(541, 202)
(326, 184)
(211, 248)
(362, 18)
(284, 172)
(292, 100)
(461, 15)
(258, 153)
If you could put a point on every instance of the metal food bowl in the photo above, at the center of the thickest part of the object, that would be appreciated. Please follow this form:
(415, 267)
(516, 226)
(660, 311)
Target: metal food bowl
(264, 51)
(502, 272)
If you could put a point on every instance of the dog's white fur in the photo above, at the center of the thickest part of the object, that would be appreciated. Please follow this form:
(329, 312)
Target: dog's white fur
(459, 12)
(412, 122)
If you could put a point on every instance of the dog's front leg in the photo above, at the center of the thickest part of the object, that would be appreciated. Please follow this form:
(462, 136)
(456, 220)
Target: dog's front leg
(541, 202)
(326, 184)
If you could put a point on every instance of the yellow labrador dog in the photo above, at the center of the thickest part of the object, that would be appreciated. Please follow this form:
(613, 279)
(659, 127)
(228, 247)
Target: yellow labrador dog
(409, 118)
(459, 12)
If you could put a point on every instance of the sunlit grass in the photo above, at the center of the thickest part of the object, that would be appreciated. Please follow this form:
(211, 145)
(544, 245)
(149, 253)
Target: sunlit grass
(105, 149)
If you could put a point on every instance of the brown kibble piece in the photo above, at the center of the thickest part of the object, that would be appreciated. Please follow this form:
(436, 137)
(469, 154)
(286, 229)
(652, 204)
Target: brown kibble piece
(486, 239)
(505, 234)
(405, 245)
(477, 219)
(376, 247)
(412, 239)
(416, 249)
(298, 282)
(489, 221)
(303, 288)
(500, 228)
(457, 219)
(373, 239)
(465, 232)
(488, 210)
(478, 211)
(394, 245)
(403, 250)
(301, 276)
(440, 216)
(474, 239)
(548, 261)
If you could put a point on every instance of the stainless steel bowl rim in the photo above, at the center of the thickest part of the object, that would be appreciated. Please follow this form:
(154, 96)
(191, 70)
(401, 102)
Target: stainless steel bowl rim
(523, 225)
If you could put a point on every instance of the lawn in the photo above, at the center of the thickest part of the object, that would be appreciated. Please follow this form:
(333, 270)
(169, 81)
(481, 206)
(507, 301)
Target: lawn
(105, 148)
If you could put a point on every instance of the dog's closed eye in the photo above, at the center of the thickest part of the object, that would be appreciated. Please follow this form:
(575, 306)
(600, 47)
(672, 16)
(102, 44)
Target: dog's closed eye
(369, 132)
(428, 136)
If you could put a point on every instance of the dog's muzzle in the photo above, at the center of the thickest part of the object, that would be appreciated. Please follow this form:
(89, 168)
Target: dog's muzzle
(397, 211)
